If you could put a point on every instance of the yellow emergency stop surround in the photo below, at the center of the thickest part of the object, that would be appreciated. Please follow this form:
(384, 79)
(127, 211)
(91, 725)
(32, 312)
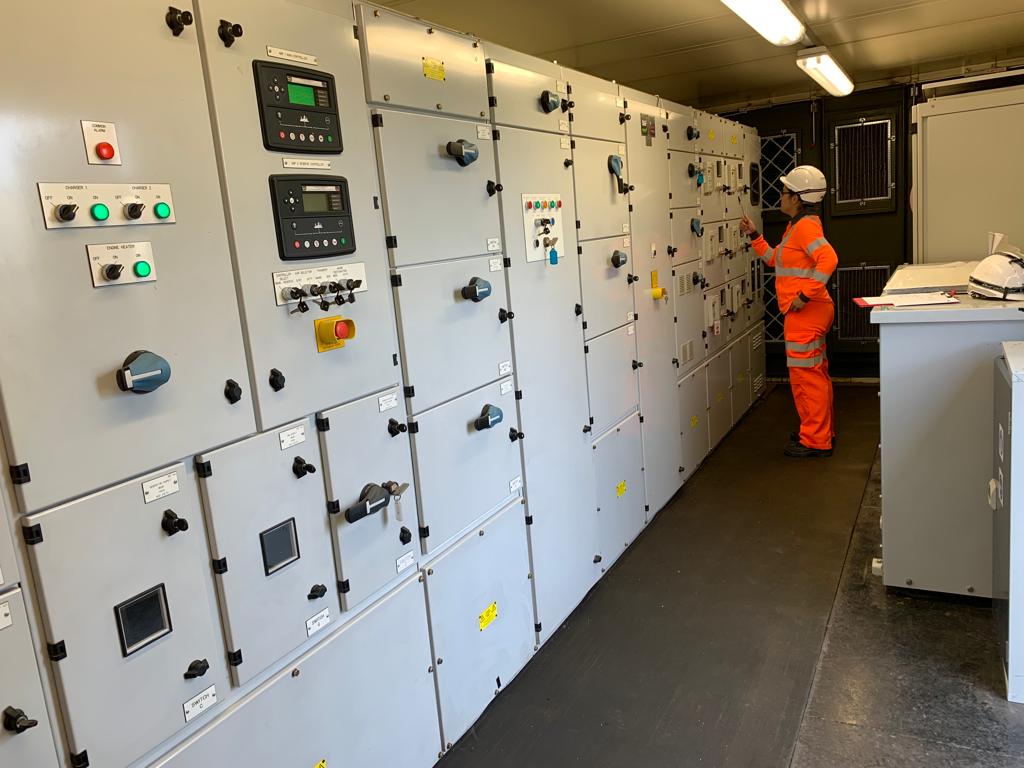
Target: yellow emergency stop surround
(332, 332)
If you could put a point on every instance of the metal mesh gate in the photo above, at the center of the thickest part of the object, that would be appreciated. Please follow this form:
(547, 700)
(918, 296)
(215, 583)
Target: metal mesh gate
(779, 156)
(863, 166)
(853, 323)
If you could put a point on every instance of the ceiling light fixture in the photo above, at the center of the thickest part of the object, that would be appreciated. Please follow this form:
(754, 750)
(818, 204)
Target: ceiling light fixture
(771, 19)
(822, 68)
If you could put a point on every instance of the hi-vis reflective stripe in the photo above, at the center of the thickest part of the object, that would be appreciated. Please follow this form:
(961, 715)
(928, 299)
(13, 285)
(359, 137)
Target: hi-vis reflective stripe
(777, 252)
(796, 346)
(804, 362)
(810, 274)
(816, 245)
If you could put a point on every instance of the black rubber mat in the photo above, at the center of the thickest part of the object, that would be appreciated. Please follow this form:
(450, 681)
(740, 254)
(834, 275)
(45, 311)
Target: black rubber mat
(699, 647)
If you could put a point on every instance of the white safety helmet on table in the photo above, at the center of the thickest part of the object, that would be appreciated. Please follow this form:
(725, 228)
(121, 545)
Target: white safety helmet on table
(808, 182)
(999, 275)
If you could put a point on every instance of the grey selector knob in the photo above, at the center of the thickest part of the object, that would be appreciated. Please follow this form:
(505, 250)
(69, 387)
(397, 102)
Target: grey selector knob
(112, 271)
(134, 210)
(619, 259)
(16, 721)
(66, 212)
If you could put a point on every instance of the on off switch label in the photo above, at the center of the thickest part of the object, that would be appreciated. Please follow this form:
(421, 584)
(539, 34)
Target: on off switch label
(160, 487)
(196, 706)
(292, 437)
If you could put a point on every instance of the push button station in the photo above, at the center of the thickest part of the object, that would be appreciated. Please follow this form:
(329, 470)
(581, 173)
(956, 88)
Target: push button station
(333, 332)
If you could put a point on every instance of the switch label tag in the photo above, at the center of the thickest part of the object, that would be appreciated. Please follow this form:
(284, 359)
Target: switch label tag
(388, 401)
(433, 69)
(292, 437)
(516, 484)
(495, 265)
(505, 388)
(505, 368)
(285, 55)
(315, 623)
(483, 132)
(493, 244)
(5, 616)
(306, 163)
(121, 263)
(193, 708)
(160, 487)
(406, 561)
(563, 125)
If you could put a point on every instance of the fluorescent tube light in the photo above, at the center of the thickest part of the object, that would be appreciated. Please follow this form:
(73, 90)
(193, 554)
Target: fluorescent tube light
(822, 68)
(771, 19)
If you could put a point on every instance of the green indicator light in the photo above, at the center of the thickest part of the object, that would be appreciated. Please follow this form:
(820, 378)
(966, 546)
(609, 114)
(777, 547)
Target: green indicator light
(162, 211)
(343, 241)
(551, 204)
(100, 212)
(142, 269)
(330, 138)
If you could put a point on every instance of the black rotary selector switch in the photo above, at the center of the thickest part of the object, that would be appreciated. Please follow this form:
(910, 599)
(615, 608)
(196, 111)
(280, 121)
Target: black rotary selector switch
(477, 290)
(16, 721)
(549, 102)
(276, 379)
(178, 19)
(395, 427)
(405, 535)
(317, 591)
(232, 391)
(113, 272)
(173, 524)
(134, 210)
(197, 668)
(66, 212)
(228, 32)
(301, 467)
(619, 259)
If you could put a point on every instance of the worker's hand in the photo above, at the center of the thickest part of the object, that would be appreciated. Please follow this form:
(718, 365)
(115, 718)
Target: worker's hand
(746, 225)
(797, 305)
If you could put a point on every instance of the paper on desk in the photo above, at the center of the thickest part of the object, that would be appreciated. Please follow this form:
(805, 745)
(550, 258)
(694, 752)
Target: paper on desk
(906, 300)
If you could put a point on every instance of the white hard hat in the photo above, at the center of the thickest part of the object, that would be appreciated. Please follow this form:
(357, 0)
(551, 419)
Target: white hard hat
(807, 181)
(999, 276)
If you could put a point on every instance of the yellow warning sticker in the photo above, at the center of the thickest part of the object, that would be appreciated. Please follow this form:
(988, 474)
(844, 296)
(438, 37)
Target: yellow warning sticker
(433, 69)
(620, 489)
(654, 278)
(711, 134)
(733, 138)
(321, 764)
(694, 421)
(488, 616)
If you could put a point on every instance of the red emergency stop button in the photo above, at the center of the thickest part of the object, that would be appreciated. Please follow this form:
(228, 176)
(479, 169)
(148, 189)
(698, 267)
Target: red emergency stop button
(341, 329)
(105, 150)
(333, 332)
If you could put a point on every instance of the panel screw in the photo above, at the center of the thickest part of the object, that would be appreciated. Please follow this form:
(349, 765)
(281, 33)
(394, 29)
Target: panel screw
(296, 672)
(430, 669)
(430, 571)
(909, 582)
(440, 661)
(387, 97)
(448, 745)
(440, 106)
(480, 533)
(970, 589)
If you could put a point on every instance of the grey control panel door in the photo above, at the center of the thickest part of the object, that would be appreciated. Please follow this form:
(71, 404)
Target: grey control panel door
(429, 163)
(454, 327)
(689, 313)
(611, 377)
(601, 208)
(296, 364)
(757, 360)
(739, 366)
(31, 741)
(618, 473)
(467, 461)
(410, 63)
(598, 110)
(481, 617)
(681, 127)
(687, 242)
(366, 443)
(719, 397)
(69, 426)
(9, 575)
(607, 273)
(271, 544)
(683, 174)
(527, 92)
(693, 416)
(363, 697)
(130, 616)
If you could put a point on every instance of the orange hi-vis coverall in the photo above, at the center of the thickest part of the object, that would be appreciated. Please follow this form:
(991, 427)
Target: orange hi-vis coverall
(804, 261)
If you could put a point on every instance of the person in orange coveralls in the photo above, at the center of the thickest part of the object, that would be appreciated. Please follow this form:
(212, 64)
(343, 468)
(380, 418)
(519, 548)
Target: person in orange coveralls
(804, 262)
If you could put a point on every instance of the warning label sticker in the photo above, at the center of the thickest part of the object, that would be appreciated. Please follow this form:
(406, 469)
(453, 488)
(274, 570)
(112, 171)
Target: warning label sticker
(433, 69)
(620, 489)
(488, 616)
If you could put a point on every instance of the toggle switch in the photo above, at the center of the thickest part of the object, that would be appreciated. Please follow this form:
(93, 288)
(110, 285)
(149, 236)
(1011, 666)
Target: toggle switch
(490, 416)
(696, 227)
(143, 372)
(477, 290)
(405, 535)
(66, 212)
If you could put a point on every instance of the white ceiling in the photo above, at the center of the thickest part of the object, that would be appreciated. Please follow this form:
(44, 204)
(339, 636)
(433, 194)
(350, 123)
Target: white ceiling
(697, 52)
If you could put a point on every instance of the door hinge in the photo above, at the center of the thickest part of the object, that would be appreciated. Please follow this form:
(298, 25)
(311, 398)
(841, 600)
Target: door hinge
(203, 468)
(33, 534)
(220, 565)
(20, 474)
(323, 424)
(57, 651)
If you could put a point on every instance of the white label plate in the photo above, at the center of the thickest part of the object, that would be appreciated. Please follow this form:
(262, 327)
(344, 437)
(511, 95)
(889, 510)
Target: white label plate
(564, 142)
(406, 561)
(505, 388)
(516, 484)
(296, 278)
(620, 102)
(560, 86)
(505, 368)
(159, 487)
(630, 331)
(5, 615)
(193, 708)
(622, 150)
(125, 254)
(285, 55)
(292, 436)
(303, 162)
(563, 125)
(483, 132)
(494, 244)
(495, 265)
(625, 228)
(315, 623)
(626, 242)
(95, 132)
(388, 401)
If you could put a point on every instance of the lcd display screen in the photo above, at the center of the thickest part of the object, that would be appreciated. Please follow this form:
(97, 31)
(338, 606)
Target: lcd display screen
(315, 202)
(280, 546)
(301, 94)
(143, 619)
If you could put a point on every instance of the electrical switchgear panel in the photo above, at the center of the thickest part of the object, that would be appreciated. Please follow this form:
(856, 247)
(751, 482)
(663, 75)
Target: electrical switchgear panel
(299, 109)
(607, 274)
(618, 473)
(719, 397)
(130, 621)
(612, 367)
(319, 328)
(527, 92)
(313, 216)
(693, 414)
(71, 420)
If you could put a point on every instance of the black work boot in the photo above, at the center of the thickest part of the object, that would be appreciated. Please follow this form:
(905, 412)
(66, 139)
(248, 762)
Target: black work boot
(798, 450)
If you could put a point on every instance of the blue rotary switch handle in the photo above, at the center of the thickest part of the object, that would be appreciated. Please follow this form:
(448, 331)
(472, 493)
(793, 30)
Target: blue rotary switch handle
(142, 372)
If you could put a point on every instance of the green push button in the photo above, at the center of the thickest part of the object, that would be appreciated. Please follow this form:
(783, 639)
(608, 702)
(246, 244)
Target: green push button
(99, 212)
(142, 269)
(162, 210)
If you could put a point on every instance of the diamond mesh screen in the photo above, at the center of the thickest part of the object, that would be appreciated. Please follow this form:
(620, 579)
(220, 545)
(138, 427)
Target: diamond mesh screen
(779, 156)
